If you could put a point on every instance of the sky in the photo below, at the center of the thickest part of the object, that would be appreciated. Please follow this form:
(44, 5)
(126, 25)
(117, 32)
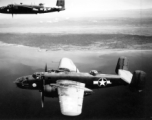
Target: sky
(74, 9)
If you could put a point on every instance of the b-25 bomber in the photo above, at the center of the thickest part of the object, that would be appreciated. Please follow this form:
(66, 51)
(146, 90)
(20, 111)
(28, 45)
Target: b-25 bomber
(32, 9)
(71, 86)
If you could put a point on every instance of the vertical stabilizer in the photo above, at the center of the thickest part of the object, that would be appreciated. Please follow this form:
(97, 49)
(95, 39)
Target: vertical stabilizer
(123, 71)
(61, 3)
(122, 64)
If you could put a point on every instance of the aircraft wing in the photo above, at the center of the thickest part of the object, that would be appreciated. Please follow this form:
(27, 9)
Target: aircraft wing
(66, 63)
(71, 95)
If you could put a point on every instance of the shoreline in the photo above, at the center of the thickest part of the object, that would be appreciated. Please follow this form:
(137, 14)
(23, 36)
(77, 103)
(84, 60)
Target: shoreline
(37, 58)
(2, 44)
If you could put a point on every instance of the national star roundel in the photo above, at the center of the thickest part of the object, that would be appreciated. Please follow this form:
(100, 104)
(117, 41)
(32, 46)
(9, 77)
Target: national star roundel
(102, 82)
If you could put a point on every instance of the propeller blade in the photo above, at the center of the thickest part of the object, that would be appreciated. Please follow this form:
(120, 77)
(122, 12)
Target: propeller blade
(42, 92)
(42, 99)
(12, 7)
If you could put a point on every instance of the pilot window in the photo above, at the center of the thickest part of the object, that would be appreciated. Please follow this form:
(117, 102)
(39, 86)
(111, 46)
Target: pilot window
(9, 6)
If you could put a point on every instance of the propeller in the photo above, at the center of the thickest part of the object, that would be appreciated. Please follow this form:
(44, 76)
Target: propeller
(12, 7)
(42, 92)
(42, 88)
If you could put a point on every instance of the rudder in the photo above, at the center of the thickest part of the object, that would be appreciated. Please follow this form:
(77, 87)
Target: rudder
(60, 3)
(122, 64)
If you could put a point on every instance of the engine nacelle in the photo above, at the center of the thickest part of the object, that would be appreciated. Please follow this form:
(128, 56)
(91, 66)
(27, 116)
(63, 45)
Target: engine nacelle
(50, 91)
(138, 81)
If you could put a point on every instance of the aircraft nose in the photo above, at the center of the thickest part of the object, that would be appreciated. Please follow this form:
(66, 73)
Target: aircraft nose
(24, 82)
(19, 81)
(2, 10)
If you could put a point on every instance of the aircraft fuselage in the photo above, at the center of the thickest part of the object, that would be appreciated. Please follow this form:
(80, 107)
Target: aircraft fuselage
(18, 9)
(98, 81)
(31, 9)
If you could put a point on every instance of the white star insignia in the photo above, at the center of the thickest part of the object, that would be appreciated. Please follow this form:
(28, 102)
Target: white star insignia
(102, 82)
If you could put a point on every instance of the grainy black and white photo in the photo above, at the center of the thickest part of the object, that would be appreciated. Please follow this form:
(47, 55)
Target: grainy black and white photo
(75, 59)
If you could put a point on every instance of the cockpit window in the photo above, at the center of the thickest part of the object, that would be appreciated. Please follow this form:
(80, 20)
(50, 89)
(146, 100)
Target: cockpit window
(10, 5)
(3, 7)
(20, 79)
(34, 75)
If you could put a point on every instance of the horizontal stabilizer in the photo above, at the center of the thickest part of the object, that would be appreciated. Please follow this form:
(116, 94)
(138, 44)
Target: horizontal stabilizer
(122, 70)
(125, 75)
(136, 80)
